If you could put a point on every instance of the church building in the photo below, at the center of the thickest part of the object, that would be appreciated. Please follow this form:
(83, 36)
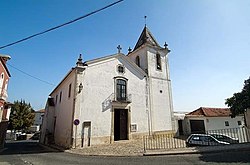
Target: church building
(112, 98)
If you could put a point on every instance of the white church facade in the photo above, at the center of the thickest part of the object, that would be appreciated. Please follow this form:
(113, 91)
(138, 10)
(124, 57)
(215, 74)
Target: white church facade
(112, 98)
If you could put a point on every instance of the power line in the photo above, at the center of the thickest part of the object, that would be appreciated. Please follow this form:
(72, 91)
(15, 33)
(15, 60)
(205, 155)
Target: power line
(31, 75)
(56, 27)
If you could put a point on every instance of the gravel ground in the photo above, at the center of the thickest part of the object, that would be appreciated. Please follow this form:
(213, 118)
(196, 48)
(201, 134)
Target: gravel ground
(119, 148)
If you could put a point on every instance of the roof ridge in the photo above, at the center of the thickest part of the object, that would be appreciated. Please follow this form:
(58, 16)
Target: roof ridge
(210, 112)
(146, 37)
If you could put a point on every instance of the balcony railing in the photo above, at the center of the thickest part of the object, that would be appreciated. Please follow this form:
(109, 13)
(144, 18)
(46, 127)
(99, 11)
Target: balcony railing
(126, 99)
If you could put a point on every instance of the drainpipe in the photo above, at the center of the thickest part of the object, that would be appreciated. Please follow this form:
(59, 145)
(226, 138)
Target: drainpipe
(73, 108)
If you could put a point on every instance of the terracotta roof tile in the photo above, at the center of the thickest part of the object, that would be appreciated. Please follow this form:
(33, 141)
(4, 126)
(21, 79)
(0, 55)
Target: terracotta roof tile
(210, 112)
(40, 111)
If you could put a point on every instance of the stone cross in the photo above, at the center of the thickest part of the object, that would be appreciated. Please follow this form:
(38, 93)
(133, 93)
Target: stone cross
(119, 48)
(165, 45)
(129, 50)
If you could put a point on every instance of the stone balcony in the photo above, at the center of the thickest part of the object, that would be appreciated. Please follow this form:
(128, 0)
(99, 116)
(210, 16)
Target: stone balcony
(126, 99)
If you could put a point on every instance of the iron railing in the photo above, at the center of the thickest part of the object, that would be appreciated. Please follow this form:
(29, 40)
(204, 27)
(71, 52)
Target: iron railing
(163, 141)
(241, 135)
(169, 141)
(126, 99)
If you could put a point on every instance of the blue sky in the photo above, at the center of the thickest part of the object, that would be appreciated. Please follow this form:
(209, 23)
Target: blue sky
(209, 42)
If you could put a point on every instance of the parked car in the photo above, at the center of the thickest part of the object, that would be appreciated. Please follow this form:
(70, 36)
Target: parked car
(225, 138)
(20, 136)
(36, 136)
(203, 140)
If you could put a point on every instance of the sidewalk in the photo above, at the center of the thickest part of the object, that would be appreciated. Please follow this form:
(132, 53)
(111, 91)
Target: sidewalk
(135, 148)
(119, 148)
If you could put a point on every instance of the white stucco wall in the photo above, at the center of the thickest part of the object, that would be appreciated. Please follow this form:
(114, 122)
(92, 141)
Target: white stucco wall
(161, 112)
(152, 70)
(214, 123)
(161, 100)
(143, 58)
(63, 111)
(99, 85)
(160, 87)
(179, 116)
(93, 104)
(38, 118)
(47, 123)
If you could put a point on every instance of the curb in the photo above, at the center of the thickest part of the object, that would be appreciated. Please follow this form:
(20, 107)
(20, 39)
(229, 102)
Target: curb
(104, 155)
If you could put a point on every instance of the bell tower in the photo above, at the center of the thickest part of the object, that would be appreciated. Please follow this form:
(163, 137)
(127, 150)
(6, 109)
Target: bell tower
(153, 59)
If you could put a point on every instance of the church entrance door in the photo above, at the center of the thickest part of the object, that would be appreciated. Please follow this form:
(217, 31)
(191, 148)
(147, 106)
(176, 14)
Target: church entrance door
(121, 124)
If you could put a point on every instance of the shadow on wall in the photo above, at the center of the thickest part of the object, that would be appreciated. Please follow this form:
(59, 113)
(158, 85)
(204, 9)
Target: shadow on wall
(106, 104)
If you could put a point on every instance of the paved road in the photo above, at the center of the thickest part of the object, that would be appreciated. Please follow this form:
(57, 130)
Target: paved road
(29, 152)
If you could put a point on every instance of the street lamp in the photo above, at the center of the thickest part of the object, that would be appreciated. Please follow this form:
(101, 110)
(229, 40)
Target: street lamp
(80, 88)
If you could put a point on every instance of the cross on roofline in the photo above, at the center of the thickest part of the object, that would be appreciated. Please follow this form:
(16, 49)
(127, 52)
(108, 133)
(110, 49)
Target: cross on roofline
(119, 48)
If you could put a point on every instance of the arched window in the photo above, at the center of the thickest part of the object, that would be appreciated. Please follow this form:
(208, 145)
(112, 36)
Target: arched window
(137, 61)
(158, 61)
(121, 90)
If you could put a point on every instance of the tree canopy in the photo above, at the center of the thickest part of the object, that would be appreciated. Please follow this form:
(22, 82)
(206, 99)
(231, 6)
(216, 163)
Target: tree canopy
(240, 101)
(21, 116)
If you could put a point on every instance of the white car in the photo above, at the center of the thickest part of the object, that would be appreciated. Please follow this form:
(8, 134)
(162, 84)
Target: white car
(225, 138)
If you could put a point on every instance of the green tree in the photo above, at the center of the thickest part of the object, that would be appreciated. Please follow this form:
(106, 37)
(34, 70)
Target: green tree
(240, 101)
(21, 116)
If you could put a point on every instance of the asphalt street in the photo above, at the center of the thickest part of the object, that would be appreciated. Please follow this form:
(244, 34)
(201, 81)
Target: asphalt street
(30, 153)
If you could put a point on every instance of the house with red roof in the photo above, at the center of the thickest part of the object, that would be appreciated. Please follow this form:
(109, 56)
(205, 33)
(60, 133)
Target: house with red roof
(206, 119)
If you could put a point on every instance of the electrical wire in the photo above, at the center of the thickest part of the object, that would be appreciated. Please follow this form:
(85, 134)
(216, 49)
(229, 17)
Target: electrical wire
(67, 23)
(30, 75)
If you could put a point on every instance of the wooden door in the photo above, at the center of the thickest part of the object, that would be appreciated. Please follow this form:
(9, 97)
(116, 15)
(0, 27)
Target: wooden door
(121, 124)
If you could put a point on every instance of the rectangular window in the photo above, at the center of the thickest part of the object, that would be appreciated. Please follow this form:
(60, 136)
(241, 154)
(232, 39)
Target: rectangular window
(69, 91)
(239, 122)
(60, 99)
(121, 90)
(226, 123)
